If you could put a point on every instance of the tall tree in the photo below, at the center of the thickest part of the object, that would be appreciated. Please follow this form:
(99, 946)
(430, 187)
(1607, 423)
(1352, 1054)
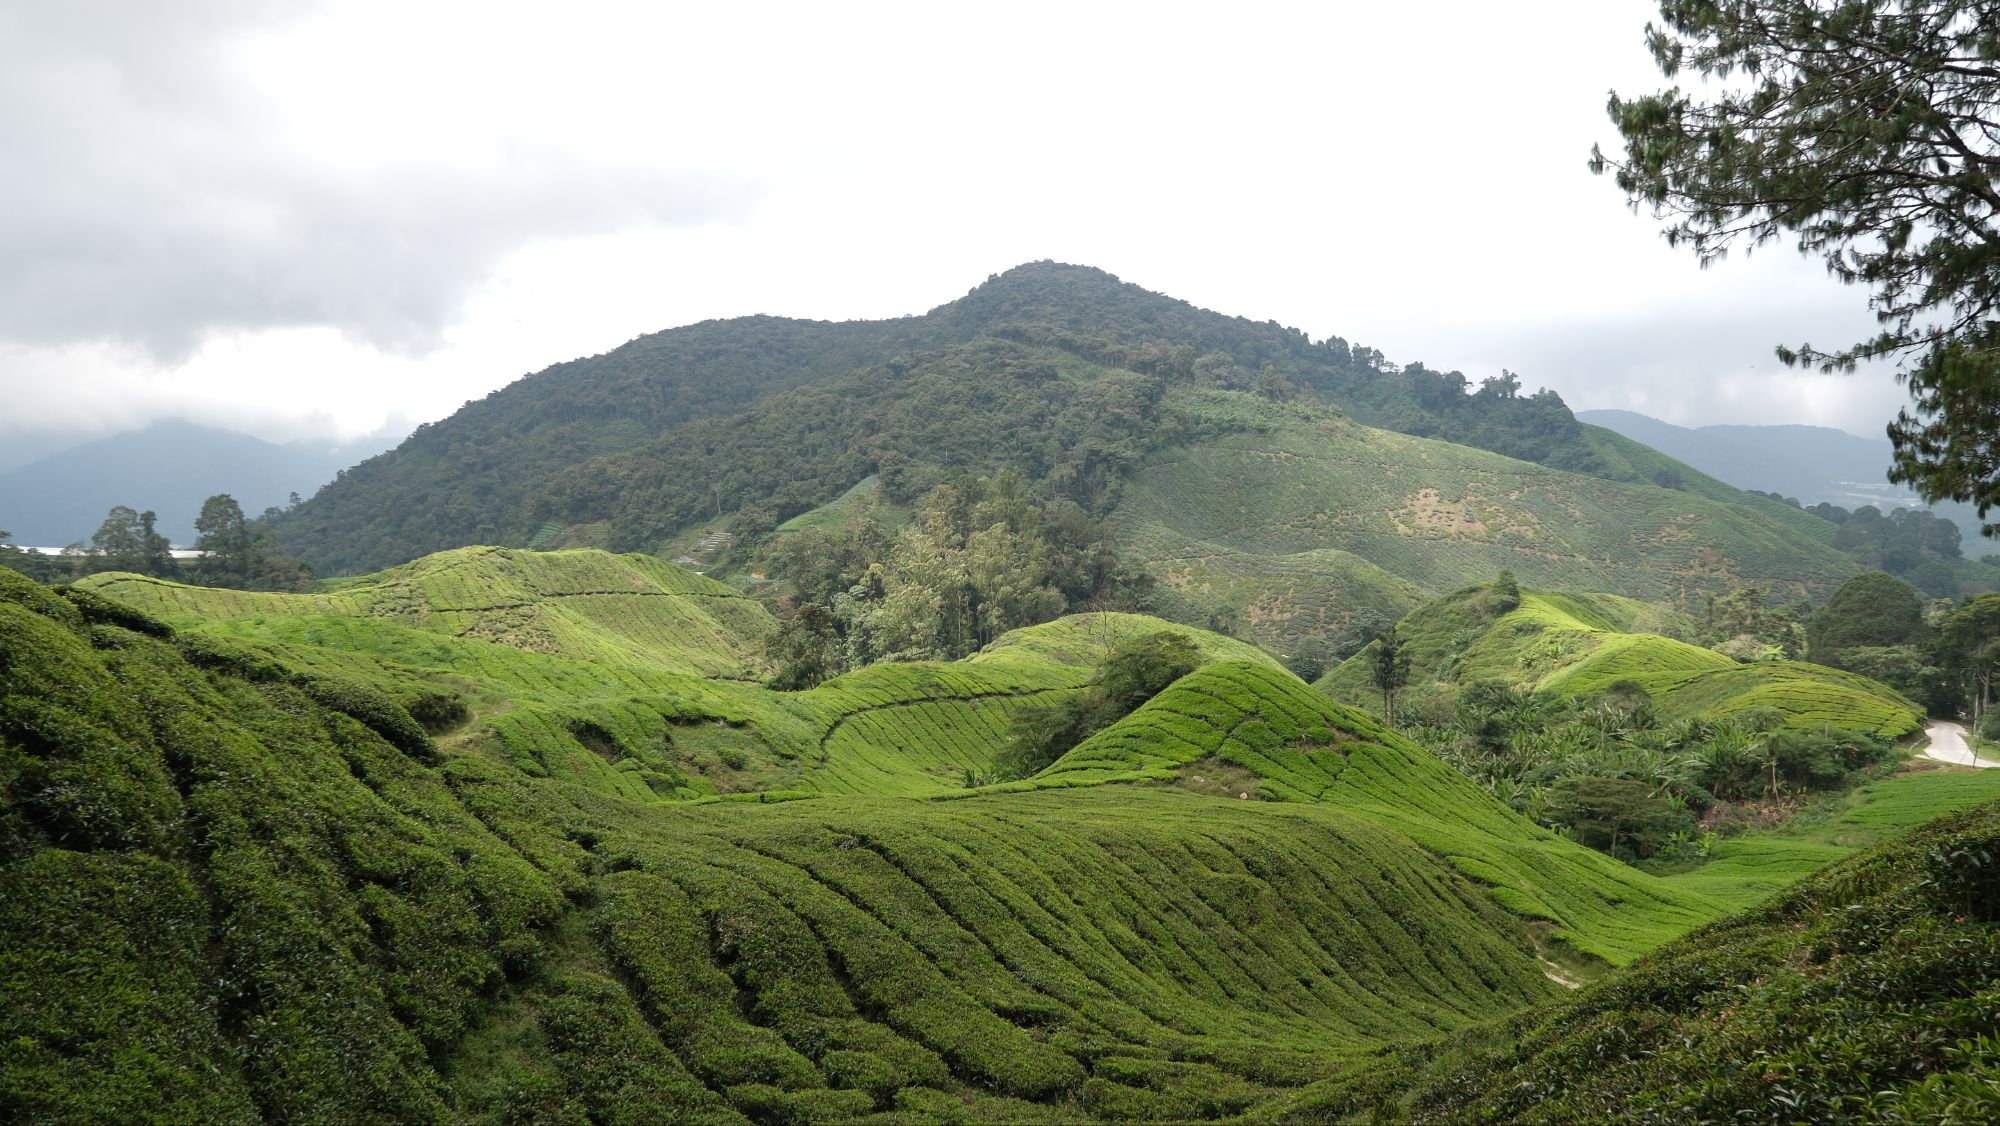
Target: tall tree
(223, 538)
(1391, 670)
(159, 553)
(119, 544)
(1870, 609)
(1869, 131)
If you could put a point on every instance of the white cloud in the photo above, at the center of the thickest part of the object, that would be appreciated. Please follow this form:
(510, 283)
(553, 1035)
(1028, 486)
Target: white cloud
(361, 208)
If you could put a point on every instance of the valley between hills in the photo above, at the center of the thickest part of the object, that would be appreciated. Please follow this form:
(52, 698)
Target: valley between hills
(1064, 705)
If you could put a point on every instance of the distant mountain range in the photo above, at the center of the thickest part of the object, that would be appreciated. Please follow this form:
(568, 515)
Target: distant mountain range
(170, 467)
(1812, 464)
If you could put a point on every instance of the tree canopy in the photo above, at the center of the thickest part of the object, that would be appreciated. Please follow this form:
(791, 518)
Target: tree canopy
(1868, 131)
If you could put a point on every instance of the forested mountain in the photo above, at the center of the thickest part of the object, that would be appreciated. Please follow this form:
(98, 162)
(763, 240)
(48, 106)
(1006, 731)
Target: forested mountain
(170, 468)
(500, 469)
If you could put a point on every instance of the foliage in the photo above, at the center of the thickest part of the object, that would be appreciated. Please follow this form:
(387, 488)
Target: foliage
(1913, 544)
(1872, 609)
(1863, 128)
(1389, 670)
(1134, 672)
(35, 565)
(1741, 623)
(979, 558)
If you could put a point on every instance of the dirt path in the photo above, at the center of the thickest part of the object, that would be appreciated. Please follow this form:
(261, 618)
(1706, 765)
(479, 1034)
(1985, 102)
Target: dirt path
(1947, 744)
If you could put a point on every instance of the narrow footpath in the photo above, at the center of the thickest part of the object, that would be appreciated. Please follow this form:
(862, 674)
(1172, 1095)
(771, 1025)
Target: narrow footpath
(1947, 744)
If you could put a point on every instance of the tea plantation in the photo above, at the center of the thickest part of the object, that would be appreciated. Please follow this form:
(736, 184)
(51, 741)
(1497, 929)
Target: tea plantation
(1581, 645)
(1291, 509)
(502, 835)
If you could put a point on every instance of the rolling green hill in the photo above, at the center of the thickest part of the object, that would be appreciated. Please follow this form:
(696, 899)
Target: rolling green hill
(1581, 645)
(589, 606)
(633, 675)
(242, 890)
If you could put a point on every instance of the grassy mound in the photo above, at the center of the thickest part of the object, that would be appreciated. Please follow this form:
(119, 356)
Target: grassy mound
(1581, 645)
(1251, 732)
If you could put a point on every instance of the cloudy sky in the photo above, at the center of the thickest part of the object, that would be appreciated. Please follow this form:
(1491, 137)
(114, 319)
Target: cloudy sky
(318, 219)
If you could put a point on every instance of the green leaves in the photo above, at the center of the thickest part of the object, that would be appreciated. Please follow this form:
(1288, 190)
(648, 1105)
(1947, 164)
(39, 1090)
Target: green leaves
(1869, 136)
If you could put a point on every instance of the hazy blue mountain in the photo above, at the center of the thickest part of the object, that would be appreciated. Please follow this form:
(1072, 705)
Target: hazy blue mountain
(1813, 464)
(170, 467)
(19, 447)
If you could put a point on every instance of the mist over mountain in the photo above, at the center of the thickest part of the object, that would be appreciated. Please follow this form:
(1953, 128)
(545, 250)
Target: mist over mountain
(169, 467)
(1812, 464)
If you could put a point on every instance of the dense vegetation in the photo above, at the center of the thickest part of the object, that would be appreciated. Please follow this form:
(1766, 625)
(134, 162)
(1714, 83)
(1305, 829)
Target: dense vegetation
(1920, 547)
(1942, 654)
(978, 558)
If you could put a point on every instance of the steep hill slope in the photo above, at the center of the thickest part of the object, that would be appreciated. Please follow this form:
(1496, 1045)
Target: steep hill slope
(1581, 645)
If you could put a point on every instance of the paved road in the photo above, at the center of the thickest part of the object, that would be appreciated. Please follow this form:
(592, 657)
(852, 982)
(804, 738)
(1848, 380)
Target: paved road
(1947, 744)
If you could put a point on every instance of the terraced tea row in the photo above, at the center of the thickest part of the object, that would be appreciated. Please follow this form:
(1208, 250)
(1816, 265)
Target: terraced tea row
(584, 605)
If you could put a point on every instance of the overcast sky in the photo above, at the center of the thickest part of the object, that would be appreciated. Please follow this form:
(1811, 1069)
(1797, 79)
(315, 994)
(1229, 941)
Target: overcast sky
(309, 219)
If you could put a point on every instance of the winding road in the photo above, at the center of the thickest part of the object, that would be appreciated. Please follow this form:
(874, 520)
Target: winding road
(1947, 744)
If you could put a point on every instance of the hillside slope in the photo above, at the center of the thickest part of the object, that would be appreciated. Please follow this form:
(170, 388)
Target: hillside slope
(246, 883)
(241, 893)
(1581, 645)
(636, 677)
(1863, 993)
(1301, 516)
